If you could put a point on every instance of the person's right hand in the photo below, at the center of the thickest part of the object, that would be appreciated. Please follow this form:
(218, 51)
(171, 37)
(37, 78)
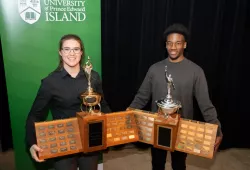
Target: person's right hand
(129, 108)
(33, 151)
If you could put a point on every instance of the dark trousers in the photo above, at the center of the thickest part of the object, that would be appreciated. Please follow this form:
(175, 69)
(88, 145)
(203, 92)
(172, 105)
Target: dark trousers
(159, 157)
(71, 162)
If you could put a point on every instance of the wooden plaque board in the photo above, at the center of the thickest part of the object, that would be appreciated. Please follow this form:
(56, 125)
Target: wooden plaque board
(121, 128)
(58, 138)
(93, 131)
(165, 131)
(145, 126)
(89, 133)
(196, 138)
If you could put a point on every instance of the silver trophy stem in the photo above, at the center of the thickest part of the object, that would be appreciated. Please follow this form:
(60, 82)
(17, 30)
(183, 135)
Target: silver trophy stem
(170, 85)
(169, 99)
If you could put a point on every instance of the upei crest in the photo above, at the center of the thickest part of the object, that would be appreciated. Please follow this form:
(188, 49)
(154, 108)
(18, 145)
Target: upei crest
(29, 10)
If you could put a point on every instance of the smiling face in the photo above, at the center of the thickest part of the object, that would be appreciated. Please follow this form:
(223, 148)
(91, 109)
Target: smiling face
(175, 45)
(71, 53)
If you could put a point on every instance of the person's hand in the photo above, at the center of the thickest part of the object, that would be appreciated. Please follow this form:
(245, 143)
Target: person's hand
(130, 108)
(217, 143)
(33, 151)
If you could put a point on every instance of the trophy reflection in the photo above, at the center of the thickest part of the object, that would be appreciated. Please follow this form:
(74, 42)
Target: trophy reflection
(168, 105)
(90, 98)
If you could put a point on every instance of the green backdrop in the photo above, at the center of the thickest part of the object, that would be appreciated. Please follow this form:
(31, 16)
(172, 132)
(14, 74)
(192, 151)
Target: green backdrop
(30, 33)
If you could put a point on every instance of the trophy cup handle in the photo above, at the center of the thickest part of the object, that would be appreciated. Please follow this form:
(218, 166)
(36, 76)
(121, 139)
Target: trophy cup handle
(99, 108)
(88, 108)
(81, 107)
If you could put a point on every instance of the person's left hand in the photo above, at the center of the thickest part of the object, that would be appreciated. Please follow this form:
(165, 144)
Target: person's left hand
(217, 143)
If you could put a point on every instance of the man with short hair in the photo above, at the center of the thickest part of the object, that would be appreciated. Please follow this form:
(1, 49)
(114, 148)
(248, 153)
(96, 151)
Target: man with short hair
(189, 80)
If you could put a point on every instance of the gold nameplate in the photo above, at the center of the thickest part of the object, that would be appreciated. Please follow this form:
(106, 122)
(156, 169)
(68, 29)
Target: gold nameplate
(121, 128)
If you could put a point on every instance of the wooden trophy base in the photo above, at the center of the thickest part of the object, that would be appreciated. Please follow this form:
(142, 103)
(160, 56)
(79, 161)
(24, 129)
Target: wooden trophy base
(93, 131)
(165, 131)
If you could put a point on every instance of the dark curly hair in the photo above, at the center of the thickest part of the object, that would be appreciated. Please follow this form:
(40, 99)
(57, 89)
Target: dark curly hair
(176, 28)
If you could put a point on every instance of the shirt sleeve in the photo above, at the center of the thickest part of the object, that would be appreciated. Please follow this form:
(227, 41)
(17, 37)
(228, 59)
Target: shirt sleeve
(38, 112)
(144, 93)
(202, 96)
(98, 86)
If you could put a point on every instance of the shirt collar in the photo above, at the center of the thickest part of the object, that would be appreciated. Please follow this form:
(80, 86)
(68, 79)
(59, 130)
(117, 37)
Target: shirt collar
(64, 73)
(81, 73)
(169, 62)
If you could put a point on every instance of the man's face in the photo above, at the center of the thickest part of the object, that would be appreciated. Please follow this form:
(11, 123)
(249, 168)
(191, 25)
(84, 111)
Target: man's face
(175, 45)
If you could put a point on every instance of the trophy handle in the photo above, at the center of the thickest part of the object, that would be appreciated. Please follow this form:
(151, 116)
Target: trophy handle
(100, 107)
(87, 109)
(81, 107)
(91, 108)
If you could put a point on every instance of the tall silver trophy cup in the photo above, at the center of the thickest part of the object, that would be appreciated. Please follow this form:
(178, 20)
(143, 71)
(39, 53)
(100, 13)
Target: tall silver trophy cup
(168, 105)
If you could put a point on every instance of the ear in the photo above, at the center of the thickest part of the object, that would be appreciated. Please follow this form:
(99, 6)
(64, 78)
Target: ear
(60, 53)
(185, 45)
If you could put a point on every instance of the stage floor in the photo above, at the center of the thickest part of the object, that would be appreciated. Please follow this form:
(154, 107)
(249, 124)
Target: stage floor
(132, 158)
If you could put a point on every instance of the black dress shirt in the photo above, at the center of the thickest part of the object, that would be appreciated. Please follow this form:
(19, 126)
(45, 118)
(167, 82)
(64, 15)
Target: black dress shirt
(61, 94)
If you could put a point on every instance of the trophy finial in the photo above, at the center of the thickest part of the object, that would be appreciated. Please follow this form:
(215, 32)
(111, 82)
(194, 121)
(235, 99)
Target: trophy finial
(87, 69)
(169, 79)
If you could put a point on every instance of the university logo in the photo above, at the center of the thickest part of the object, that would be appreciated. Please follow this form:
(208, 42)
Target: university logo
(29, 10)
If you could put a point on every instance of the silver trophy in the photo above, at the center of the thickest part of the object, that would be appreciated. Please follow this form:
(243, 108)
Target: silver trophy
(168, 105)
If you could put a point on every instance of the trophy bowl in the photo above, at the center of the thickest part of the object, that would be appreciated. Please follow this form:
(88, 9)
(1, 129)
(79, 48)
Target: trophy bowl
(90, 98)
(167, 107)
(168, 111)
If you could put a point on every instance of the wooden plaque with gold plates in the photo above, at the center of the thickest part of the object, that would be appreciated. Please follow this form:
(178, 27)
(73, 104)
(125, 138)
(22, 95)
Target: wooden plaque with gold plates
(145, 125)
(89, 133)
(121, 128)
(58, 138)
(196, 138)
